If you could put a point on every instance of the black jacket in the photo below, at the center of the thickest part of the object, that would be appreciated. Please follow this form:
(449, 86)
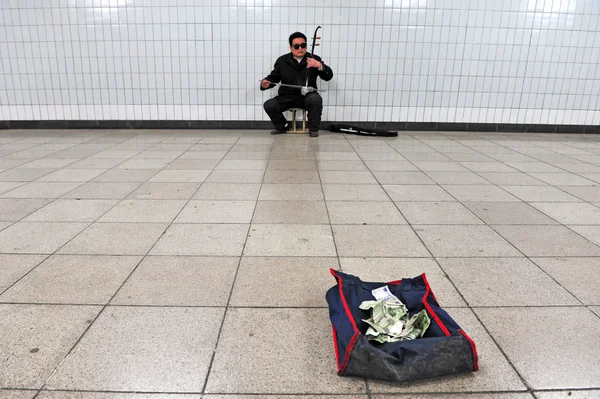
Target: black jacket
(288, 70)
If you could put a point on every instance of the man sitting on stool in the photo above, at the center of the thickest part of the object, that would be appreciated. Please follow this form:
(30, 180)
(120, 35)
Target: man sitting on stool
(292, 69)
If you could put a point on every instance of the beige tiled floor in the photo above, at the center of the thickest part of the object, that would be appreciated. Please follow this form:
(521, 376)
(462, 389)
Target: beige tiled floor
(194, 264)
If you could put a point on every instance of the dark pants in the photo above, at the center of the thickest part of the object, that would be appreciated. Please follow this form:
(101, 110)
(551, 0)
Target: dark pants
(312, 103)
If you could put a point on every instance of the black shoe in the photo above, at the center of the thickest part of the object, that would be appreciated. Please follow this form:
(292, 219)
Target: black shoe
(279, 131)
(313, 133)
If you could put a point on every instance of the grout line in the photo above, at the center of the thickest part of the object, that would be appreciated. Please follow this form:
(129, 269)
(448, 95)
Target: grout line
(233, 284)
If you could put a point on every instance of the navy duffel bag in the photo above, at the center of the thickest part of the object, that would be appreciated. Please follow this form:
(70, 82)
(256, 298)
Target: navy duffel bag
(444, 349)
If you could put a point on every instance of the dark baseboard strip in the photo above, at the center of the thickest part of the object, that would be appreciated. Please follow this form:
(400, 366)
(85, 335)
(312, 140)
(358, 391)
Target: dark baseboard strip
(196, 124)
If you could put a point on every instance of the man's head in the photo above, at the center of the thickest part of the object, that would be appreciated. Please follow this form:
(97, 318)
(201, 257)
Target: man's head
(298, 44)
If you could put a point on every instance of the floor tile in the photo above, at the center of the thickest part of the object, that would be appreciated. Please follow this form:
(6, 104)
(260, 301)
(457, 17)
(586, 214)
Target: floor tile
(297, 164)
(461, 396)
(116, 154)
(346, 177)
(364, 212)
(218, 155)
(391, 269)
(243, 164)
(291, 396)
(395, 166)
(342, 165)
(437, 213)
(16, 394)
(451, 178)
(586, 193)
(548, 241)
(274, 176)
(511, 179)
(479, 193)
(102, 190)
(539, 193)
(193, 164)
(236, 176)
(487, 166)
(436, 166)
(180, 176)
(290, 192)
(307, 279)
(216, 212)
(456, 241)
(159, 154)
(354, 192)
(384, 177)
(24, 174)
(563, 179)
(6, 186)
(336, 156)
(410, 192)
(143, 349)
(164, 191)
(534, 354)
(16, 266)
(37, 237)
(49, 163)
(377, 240)
(592, 233)
(249, 361)
(175, 281)
(115, 239)
(28, 359)
(495, 373)
(72, 175)
(73, 279)
(14, 209)
(534, 167)
(41, 190)
(508, 213)
(126, 175)
(570, 213)
(277, 154)
(71, 210)
(581, 276)
(291, 212)
(227, 191)
(151, 211)
(202, 239)
(570, 394)
(504, 282)
(134, 163)
(289, 240)
(95, 163)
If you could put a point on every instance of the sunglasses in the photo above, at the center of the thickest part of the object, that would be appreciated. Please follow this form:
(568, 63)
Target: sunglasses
(297, 46)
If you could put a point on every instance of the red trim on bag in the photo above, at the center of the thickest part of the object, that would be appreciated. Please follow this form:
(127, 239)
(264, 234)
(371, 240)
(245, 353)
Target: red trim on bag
(430, 309)
(349, 315)
(429, 287)
(348, 352)
(475, 357)
(395, 282)
(335, 346)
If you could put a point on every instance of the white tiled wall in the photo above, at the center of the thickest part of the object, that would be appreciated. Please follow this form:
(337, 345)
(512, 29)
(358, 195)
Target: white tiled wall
(509, 61)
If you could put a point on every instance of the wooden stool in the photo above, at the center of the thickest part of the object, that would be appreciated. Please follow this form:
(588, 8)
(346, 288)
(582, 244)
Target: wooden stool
(294, 129)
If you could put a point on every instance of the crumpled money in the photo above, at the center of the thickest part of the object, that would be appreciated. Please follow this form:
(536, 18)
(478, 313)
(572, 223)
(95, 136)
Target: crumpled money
(389, 321)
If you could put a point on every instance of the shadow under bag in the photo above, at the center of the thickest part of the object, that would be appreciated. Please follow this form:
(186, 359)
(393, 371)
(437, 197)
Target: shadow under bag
(444, 349)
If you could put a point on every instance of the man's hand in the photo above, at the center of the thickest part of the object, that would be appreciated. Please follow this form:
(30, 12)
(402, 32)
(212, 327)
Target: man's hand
(313, 63)
(265, 84)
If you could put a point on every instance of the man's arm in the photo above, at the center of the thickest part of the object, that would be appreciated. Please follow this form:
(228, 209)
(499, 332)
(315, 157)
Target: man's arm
(324, 71)
(273, 77)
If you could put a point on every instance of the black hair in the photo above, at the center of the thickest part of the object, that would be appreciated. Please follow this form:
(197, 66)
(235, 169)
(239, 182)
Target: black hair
(296, 35)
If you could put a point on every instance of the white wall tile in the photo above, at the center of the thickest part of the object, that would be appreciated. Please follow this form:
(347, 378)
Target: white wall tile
(394, 60)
